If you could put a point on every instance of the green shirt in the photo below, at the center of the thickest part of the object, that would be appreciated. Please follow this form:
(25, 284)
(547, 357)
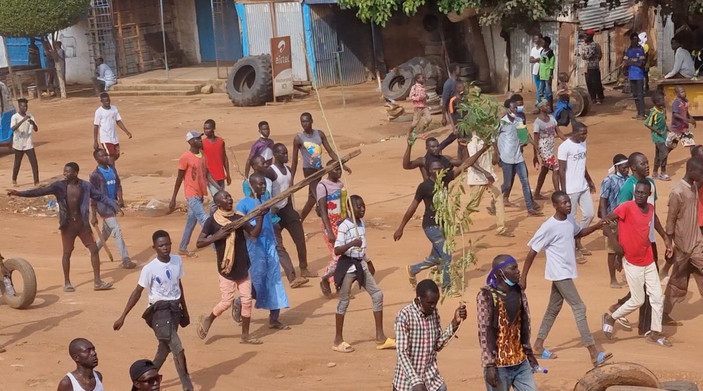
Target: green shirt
(627, 192)
(546, 65)
(656, 120)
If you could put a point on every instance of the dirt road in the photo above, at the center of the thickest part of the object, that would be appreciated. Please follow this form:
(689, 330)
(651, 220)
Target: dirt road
(37, 339)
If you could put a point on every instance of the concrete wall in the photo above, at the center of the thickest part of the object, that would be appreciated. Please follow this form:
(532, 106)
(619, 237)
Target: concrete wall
(75, 43)
(3, 55)
(187, 30)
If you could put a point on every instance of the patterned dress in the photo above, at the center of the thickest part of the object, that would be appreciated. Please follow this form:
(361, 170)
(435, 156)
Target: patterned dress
(546, 133)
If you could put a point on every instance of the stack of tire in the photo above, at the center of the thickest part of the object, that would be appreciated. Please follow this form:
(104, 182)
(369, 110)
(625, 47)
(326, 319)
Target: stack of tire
(250, 82)
(397, 84)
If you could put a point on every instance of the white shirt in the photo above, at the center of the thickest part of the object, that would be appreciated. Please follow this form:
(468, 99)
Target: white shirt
(536, 52)
(281, 184)
(683, 63)
(22, 137)
(161, 279)
(575, 156)
(557, 239)
(474, 177)
(105, 73)
(347, 232)
(107, 120)
(508, 141)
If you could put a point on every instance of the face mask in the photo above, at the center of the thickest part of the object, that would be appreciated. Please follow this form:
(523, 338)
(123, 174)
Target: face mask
(520, 109)
(507, 281)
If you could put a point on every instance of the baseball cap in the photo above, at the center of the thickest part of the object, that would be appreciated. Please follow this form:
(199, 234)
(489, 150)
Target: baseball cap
(192, 134)
(139, 368)
(591, 32)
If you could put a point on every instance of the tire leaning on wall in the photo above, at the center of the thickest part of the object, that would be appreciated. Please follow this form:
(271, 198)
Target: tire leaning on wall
(250, 82)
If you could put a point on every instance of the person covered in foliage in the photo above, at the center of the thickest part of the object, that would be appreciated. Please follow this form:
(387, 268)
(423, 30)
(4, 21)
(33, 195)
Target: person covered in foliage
(556, 237)
(504, 329)
(425, 193)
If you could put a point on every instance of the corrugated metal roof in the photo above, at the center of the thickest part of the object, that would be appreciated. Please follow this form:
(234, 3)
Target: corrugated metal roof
(596, 15)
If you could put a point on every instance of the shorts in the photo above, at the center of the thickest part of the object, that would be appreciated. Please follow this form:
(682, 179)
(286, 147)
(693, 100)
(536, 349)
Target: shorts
(609, 245)
(673, 139)
(111, 149)
(551, 162)
(312, 189)
(73, 230)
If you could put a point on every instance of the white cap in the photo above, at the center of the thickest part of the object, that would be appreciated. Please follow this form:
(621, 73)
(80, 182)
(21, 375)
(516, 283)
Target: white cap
(192, 134)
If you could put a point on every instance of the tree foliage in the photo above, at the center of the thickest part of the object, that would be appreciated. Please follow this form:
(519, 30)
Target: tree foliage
(23, 18)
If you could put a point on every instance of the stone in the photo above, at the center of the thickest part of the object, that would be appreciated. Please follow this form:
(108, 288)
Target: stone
(331, 364)
(206, 89)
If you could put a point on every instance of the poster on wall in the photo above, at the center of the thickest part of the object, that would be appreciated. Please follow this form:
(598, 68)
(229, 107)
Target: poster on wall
(282, 66)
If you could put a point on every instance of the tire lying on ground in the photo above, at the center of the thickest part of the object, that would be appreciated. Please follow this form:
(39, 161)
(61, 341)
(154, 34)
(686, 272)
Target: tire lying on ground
(23, 269)
(617, 374)
(396, 85)
(581, 100)
(250, 82)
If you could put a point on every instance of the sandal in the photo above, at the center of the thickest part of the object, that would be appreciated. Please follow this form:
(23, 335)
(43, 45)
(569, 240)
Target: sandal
(237, 311)
(298, 282)
(547, 355)
(69, 288)
(102, 286)
(279, 326)
(343, 348)
(607, 327)
(506, 234)
(411, 277)
(656, 338)
(667, 321)
(624, 323)
(250, 341)
(601, 358)
(389, 343)
(187, 254)
(200, 331)
(325, 287)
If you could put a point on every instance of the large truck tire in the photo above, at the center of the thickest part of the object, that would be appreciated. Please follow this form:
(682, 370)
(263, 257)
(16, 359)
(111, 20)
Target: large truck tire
(617, 374)
(396, 85)
(25, 298)
(250, 82)
(582, 101)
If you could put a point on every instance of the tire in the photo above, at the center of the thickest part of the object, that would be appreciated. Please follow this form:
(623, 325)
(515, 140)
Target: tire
(678, 385)
(250, 82)
(617, 374)
(632, 388)
(397, 83)
(24, 299)
(582, 101)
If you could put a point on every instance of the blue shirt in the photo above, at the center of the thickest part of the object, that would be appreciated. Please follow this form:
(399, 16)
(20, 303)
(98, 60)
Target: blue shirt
(111, 180)
(635, 72)
(610, 190)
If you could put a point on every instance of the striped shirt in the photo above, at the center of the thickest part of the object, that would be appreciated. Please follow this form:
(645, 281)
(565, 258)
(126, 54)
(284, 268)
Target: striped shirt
(418, 337)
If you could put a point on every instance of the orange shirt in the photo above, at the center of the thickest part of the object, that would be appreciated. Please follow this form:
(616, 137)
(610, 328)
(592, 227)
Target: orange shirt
(195, 181)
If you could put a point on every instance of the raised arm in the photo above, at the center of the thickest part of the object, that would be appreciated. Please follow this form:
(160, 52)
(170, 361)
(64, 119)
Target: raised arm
(469, 161)
(38, 192)
(412, 164)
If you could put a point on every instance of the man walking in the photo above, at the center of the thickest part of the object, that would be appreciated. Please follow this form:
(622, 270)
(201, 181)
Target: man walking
(419, 337)
(106, 119)
(73, 196)
(609, 193)
(634, 62)
(421, 113)
(216, 157)
(107, 181)
(193, 171)
(535, 54)
(556, 237)
(22, 124)
(504, 329)
(84, 377)
(448, 90)
(593, 53)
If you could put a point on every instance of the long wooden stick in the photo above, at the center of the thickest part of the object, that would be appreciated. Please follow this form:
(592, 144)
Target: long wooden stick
(286, 193)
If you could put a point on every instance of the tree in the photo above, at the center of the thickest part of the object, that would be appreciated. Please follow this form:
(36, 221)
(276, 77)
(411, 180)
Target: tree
(42, 18)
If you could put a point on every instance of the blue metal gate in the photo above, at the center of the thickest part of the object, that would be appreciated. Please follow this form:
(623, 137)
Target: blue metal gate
(226, 30)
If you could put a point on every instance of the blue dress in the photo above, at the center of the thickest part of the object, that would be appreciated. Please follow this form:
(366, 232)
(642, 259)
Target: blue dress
(265, 270)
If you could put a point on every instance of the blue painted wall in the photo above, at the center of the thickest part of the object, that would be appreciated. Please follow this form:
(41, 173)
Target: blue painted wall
(227, 32)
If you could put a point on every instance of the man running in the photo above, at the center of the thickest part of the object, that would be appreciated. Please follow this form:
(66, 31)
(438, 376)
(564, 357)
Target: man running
(556, 237)
(232, 264)
(73, 196)
(217, 161)
(310, 142)
(107, 181)
(84, 377)
(281, 177)
(106, 118)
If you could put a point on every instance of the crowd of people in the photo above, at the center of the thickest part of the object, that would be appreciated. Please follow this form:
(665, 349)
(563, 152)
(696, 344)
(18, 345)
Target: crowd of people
(250, 252)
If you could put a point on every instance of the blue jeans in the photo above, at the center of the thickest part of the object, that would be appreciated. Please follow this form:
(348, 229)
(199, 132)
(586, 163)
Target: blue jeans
(545, 89)
(538, 85)
(213, 191)
(509, 171)
(196, 214)
(437, 256)
(518, 377)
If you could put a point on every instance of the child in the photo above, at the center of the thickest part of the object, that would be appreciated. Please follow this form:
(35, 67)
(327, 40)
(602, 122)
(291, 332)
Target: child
(106, 118)
(353, 265)
(22, 123)
(563, 113)
(680, 119)
(609, 193)
(453, 106)
(263, 146)
(546, 129)
(167, 304)
(656, 122)
(546, 70)
(331, 202)
(421, 114)
(217, 161)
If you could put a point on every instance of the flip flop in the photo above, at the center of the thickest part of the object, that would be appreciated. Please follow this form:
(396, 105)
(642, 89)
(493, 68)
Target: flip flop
(128, 265)
(389, 343)
(607, 328)
(506, 234)
(279, 326)
(547, 355)
(187, 254)
(202, 334)
(237, 311)
(624, 323)
(102, 286)
(601, 358)
(411, 277)
(658, 339)
(325, 288)
(69, 288)
(667, 321)
(343, 348)
(298, 282)
(250, 341)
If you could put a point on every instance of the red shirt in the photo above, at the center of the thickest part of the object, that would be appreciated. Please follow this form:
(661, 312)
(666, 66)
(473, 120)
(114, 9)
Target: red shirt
(633, 232)
(700, 206)
(213, 152)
